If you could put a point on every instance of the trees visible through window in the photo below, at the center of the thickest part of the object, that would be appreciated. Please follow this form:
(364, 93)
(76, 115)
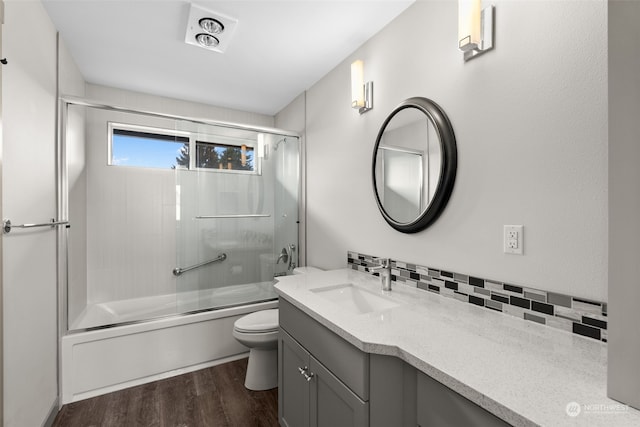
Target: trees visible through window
(150, 147)
(223, 156)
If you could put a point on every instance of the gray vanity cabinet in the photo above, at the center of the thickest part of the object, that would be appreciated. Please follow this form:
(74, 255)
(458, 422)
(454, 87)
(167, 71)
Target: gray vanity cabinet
(293, 390)
(312, 391)
(438, 405)
(324, 381)
(403, 396)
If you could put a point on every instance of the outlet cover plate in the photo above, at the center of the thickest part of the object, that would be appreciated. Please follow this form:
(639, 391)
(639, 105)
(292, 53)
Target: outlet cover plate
(513, 239)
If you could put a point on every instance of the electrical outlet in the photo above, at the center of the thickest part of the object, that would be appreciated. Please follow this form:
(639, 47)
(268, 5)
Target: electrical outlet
(513, 239)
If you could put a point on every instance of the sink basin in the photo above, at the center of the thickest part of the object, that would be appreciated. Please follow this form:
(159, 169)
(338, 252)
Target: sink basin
(354, 299)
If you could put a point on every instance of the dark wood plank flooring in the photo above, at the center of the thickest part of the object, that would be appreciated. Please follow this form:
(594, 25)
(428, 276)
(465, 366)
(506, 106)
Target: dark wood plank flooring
(210, 397)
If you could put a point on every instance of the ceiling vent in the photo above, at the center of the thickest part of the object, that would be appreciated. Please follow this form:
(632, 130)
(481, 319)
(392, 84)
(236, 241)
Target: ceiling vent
(209, 30)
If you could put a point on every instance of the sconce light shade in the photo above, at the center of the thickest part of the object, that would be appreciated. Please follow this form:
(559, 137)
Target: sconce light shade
(361, 92)
(475, 28)
(468, 24)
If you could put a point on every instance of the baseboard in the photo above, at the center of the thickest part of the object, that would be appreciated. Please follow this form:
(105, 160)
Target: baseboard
(53, 412)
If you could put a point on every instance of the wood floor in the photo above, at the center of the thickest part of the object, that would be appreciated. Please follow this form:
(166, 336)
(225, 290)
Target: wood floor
(210, 397)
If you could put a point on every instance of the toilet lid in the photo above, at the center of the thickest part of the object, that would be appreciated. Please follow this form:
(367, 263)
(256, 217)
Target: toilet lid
(260, 321)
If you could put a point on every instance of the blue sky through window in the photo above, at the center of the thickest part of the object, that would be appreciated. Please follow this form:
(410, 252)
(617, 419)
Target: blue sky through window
(127, 150)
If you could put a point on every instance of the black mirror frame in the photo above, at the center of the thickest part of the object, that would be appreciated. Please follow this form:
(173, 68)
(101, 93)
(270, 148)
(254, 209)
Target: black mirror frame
(447, 171)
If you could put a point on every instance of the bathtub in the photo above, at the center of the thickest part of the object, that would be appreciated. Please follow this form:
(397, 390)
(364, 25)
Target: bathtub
(135, 309)
(102, 360)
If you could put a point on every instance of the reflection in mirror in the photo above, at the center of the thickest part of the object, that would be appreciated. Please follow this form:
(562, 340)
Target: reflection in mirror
(400, 182)
(414, 164)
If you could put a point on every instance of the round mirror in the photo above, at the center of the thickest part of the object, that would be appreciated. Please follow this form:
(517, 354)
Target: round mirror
(414, 164)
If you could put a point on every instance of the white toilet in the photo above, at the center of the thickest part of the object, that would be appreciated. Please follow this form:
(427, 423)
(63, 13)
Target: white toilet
(259, 332)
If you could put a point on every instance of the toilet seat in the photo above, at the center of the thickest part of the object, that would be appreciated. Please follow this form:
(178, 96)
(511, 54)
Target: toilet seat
(264, 321)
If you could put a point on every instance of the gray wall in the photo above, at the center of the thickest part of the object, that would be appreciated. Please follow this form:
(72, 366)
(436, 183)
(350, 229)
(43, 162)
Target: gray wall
(624, 201)
(530, 118)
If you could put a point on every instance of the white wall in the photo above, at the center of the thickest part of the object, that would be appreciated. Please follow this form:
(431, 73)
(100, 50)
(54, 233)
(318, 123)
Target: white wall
(530, 118)
(29, 195)
(158, 104)
(1, 240)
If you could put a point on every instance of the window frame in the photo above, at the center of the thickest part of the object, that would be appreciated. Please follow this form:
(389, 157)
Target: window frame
(194, 138)
(113, 126)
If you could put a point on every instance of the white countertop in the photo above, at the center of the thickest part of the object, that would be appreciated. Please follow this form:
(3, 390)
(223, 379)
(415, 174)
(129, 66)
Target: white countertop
(521, 371)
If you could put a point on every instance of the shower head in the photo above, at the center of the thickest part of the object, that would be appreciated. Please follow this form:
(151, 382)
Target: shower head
(275, 146)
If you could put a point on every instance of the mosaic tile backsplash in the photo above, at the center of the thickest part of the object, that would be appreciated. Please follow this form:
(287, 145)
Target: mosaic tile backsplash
(572, 314)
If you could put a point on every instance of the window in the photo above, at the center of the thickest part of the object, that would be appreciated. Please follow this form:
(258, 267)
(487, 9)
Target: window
(146, 147)
(163, 148)
(224, 156)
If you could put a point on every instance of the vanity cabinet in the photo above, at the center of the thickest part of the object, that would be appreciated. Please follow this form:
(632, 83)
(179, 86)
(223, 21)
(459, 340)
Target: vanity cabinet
(403, 396)
(438, 405)
(323, 379)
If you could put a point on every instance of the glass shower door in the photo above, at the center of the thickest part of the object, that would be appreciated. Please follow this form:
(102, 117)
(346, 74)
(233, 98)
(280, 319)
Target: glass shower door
(237, 208)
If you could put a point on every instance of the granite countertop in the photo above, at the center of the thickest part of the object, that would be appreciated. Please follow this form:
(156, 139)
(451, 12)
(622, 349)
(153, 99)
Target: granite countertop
(523, 372)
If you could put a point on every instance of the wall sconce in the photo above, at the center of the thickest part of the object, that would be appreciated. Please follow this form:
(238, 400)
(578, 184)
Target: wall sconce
(475, 28)
(361, 92)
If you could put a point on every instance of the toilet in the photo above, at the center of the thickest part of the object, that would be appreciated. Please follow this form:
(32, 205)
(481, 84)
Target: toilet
(259, 332)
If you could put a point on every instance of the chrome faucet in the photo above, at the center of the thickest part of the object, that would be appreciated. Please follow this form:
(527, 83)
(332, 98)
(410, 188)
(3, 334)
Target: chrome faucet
(384, 269)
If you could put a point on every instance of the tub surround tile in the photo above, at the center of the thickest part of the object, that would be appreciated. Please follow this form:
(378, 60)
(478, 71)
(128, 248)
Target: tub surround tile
(565, 312)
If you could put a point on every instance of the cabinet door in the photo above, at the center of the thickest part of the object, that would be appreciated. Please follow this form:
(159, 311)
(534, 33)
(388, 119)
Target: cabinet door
(293, 391)
(332, 403)
(440, 406)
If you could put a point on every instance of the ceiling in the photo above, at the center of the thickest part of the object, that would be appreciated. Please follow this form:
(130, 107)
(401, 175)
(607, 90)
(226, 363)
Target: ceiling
(278, 50)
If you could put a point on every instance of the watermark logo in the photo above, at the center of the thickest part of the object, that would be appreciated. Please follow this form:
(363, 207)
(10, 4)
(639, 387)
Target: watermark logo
(573, 409)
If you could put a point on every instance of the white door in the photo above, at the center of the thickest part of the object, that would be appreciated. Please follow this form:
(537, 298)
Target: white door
(29, 196)
(1, 315)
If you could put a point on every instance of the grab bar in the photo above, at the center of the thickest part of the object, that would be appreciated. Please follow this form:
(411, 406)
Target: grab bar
(178, 271)
(234, 216)
(7, 226)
